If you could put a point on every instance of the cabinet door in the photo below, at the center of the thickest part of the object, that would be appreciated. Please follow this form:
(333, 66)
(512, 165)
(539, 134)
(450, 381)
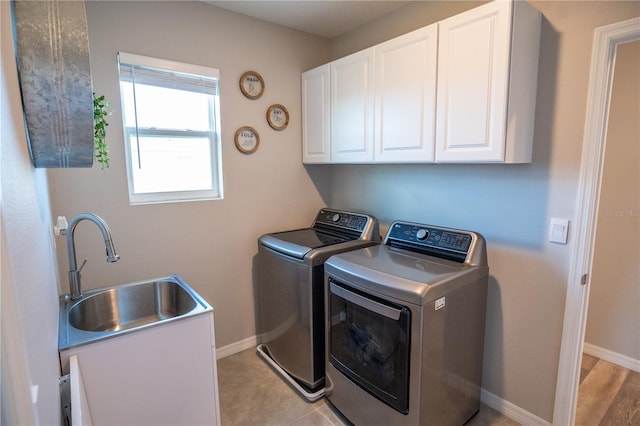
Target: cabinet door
(352, 108)
(473, 73)
(405, 106)
(162, 375)
(315, 115)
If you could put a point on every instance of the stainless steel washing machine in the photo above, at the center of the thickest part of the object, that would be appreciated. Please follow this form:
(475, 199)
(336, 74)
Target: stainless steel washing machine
(290, 292)
(405, 327)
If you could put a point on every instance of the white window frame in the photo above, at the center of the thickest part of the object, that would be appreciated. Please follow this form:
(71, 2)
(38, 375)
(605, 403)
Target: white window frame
(178, 68)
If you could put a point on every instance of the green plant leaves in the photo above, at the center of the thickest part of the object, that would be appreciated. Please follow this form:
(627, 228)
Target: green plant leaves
(100, 114)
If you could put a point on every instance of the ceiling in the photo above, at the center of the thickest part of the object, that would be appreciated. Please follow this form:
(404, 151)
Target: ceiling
(325, 18)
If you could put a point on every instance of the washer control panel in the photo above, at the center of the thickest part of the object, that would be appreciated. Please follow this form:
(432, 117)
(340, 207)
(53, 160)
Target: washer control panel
(426, 237)
(334, 218)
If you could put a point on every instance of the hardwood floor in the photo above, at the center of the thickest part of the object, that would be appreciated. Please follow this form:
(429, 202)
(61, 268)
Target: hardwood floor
(608, 394)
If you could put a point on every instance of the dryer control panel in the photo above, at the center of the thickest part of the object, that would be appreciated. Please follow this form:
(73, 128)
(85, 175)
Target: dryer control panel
(432, 240)
(344, 220)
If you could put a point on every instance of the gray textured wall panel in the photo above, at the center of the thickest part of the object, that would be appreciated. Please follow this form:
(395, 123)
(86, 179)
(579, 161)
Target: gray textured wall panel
(52, 49)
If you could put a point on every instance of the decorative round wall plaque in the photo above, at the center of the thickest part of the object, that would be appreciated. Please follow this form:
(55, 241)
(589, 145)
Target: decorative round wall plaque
(278, 117)
(252, 85)
(247, 140)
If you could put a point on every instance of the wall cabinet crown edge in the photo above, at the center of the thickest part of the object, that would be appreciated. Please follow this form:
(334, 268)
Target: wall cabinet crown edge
(487, 70)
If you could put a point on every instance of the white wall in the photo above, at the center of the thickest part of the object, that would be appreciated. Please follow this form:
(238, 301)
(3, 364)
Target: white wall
(613, 321)
(212, 244)
(29, 294)
(511, 205)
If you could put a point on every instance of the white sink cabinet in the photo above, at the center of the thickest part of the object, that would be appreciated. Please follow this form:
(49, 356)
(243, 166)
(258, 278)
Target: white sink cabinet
(160, 375)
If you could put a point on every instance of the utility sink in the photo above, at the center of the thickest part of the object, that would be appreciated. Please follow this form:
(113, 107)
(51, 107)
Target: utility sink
(131, 306)
(124, 308)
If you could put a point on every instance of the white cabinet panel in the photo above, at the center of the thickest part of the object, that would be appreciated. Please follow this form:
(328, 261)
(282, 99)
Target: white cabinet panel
(352, 108)
(315, 115)
(388, 104)
(163, 375)
(80, 413)
(472, 86)
(480, 58)
(405, 97)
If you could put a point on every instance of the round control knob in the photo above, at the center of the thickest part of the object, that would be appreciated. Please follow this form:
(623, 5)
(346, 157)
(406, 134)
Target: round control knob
(335, 217)
(422, 234)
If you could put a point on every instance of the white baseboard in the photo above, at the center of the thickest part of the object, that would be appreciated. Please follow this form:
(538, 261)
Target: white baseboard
(613, 357)
(234, 348)
(510, 410)
(500, 405)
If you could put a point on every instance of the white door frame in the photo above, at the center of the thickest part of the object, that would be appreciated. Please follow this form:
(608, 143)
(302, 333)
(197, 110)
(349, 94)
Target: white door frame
(606, 39)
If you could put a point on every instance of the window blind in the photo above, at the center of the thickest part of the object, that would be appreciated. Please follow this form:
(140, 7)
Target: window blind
(169, 74)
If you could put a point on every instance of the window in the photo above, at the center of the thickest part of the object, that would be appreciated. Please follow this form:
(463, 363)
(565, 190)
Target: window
(171, 119)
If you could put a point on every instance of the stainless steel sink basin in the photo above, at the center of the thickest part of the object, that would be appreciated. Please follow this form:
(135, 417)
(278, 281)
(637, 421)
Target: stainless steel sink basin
(125, 308)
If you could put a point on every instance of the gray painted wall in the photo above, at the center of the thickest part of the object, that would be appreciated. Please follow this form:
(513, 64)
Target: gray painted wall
(211, 244)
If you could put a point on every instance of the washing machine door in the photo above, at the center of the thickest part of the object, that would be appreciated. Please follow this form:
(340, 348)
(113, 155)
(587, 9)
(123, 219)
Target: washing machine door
(369, 342)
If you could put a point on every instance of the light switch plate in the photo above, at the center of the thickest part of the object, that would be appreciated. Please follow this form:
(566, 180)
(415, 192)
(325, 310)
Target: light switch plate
(558, 230)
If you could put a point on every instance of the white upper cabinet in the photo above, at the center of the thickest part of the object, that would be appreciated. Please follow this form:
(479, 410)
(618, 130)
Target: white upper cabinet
(487, 79)
(352, 82)
(405, 97)
(462, 90)
(315, 115)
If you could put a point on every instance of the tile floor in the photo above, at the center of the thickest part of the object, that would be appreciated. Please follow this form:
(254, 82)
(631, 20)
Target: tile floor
(251, 393)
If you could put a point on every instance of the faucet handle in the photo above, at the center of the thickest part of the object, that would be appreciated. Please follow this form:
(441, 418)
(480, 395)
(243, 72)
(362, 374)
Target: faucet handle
(84, 262)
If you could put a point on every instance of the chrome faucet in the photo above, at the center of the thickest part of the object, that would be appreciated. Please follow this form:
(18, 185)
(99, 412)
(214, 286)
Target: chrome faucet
(75, 287)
